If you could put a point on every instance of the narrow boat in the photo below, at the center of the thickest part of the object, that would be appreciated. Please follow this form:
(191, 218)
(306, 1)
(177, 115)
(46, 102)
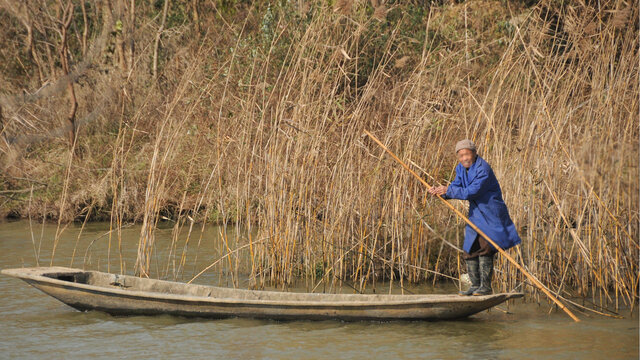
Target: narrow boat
(131, 295)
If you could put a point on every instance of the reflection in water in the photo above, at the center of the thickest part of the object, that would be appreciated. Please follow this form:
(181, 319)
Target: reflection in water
(33, 325)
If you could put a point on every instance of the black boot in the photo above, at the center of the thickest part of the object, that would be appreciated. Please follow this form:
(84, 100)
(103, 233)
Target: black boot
(473, 269)
(486, 273)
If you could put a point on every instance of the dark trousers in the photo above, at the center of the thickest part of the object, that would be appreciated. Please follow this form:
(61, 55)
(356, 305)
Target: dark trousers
(480, 247)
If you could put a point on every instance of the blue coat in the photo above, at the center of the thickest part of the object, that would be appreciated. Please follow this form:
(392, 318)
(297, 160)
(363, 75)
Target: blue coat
(487, 209)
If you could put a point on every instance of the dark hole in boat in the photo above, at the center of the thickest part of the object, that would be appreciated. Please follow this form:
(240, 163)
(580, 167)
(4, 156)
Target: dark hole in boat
(75, 278)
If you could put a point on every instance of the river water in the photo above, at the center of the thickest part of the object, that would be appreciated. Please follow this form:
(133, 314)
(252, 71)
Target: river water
(34, 325)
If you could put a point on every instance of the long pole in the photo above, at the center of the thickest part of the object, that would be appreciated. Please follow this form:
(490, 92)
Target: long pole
(533, 279)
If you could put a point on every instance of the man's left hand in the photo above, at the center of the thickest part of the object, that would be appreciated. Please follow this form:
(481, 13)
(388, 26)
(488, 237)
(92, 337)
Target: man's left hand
(437, 190)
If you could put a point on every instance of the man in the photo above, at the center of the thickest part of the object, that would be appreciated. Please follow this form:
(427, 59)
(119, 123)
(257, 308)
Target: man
(476, 183)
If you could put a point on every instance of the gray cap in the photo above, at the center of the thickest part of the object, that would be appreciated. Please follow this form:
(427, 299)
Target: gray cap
(465, 144)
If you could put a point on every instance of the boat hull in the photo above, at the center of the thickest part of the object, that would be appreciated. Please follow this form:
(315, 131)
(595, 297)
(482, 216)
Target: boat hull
(128, 295)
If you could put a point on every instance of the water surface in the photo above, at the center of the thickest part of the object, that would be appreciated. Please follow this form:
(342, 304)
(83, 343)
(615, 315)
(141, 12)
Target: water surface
(34, 325)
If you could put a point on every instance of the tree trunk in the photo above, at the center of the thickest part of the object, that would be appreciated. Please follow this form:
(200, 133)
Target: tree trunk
(107, 27)
(158, 35)
(120, 33)
(66, 17)
(85, 29)
(196, 16)
(131, 28)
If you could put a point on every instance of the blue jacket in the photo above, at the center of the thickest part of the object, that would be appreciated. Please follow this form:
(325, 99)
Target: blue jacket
(487, 209)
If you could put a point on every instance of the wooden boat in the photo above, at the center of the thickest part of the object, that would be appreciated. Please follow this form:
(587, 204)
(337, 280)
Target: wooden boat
(130, 295)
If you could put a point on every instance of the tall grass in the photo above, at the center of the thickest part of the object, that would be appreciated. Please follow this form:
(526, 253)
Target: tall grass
(259, 125)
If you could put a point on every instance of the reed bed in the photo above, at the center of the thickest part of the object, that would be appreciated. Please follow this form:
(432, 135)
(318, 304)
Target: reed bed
(256, 123)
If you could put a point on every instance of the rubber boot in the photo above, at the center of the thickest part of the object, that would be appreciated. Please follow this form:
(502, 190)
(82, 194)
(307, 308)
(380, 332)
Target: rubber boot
(473, 269)
(486, 273)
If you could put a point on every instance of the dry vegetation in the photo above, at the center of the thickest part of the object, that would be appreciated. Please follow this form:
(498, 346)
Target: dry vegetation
(253, 115)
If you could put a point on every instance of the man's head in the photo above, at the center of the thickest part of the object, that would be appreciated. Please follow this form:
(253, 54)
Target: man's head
(466, 152)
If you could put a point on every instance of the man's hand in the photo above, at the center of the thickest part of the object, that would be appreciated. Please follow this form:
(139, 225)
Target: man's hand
(437, 190)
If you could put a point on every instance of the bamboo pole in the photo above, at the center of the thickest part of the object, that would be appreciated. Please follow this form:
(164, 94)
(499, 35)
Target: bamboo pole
(535, 281)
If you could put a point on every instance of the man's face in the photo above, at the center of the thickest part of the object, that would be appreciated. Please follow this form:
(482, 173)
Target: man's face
(466, 157)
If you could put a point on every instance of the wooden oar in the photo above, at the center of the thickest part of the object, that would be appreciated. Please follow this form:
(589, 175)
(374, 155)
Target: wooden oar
(533, 279)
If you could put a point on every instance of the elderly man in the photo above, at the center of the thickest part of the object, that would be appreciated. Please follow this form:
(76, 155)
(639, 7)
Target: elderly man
(476, 183)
